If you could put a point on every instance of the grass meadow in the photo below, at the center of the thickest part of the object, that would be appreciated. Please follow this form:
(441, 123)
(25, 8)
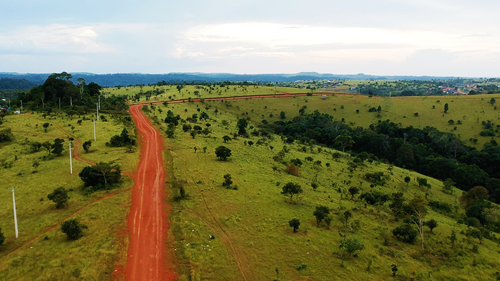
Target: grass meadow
(225, 234)
(42, 251)
(470, 110)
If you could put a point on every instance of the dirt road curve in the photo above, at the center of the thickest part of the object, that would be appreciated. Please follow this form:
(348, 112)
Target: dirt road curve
(147, 221)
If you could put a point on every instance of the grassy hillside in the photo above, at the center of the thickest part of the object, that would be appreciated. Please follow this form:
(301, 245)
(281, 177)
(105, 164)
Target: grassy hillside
(42, 251)
(471, 111)
(243, 232)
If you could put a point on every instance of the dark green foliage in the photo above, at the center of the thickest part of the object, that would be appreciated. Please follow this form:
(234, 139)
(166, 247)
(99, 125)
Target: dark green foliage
(170, 132)
(242, 126)
(291, 189)
(45, 126)
(59, 196)
(431, 224)
(57, 147)
(407, 180)
(6, 135)
(86, 146)
(351, 245)
(297, 162)
(353, 191)
(35, 146)
(121, 140)
(446, 108)
(440, 206)
(320, 213)
(101, 176)
(2, 237)
(226, 138)
(375, 197)
(172, 119)
(397, 205)
(72, 228)
(227, 180)
(295, 223)
(223, 153)
(346, 216)
(406, 233)
(186, 127)
(377, 178)
(282, 115)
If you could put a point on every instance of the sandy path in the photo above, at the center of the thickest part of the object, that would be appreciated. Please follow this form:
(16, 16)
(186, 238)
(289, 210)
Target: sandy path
(147, 221)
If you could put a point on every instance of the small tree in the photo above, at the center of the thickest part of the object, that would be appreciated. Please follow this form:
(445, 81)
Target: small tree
(351, 245)
(347, 215)
(35, 165)
(295, 223)
(227, 180)
(353, 191)
(431, 224)
(226, 138)
(242, 125)
(407, 180)
(72, 228)
(223, 153)
(446, 107)
(291, 189)
(282, 115)
(448, 185)
(45, 126)
(405, 233)
(59, 196)
(57, 147)
(320, 213)
(86, 146)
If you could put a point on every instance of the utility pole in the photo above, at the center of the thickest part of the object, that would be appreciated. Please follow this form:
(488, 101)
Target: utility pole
(15, 215)
(70, 159)
(99, 101)
(94, 129)
(97, 111)
(21, 106)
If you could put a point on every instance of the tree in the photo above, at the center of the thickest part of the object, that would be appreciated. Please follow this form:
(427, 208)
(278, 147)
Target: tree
(431, 224)
(86, 146)
(295, 223)
(2, 237)
(291, 189)
(72, 228)
(227, 180)
(100, 176)
(347, 215)
(242, 125)
(353, 191)
(57, 147)
(35, 146)
(422, 182)
(417, 205)
(45, 126)
(186, 127)
(405, 233)
(407, 180)
(59, 196)
(320, 213)
(397, 205)
(351, 245)
(226, 138)
(446, 107)
(344, 141)
(448, 185)
(193, 133)
(473, 196)
(282, 115)
(223, 153)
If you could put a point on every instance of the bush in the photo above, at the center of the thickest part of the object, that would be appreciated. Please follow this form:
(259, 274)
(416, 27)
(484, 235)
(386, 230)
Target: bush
(293, 170)
(351, 245)
(223, 153)
(405, 233)
(59, 196)
(375, 197)
(440, 206)
(73, 229)
(101, 176)
(121, 140)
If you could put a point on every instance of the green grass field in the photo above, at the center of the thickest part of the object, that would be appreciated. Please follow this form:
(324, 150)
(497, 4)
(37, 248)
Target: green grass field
(250, 224)
(470, 110)
(42, 251)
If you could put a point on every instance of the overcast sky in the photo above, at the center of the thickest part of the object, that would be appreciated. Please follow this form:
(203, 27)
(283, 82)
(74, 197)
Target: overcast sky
(383, 37)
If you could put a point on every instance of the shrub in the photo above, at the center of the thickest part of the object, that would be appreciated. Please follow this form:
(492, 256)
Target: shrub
(101, 176)
(121, 140)
(405, 233)
(223, 153)
(59, 196)
(351, 245)
(73, 229)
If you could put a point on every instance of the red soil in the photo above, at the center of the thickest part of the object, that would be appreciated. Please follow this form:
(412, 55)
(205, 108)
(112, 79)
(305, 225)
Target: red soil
(147, 221)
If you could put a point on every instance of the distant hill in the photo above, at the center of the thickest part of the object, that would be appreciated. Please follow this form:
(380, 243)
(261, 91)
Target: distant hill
(111, 80)
(16, 84)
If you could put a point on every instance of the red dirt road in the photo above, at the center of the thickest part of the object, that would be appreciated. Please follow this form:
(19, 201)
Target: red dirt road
(147, 221)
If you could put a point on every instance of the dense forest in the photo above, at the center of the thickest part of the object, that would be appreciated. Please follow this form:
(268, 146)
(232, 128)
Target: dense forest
(58, 91)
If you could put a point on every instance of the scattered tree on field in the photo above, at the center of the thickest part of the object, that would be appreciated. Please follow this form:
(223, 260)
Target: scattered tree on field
(405, 233)
(227, 180)
(346, 216)
(242, 125)
(101, 176)
(353, 191)
(291, 189)
(282, 115)
(57, 147)
(59, 196)
(446, 107)
(295, 223)
(407, 180)
(223, 153)
(73, 229)
(45, 126)
(351, 245)
(86, 146)
(320, 213)
(226, 138)
(431, 224)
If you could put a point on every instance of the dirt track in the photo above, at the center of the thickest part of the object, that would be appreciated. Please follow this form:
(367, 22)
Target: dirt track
(147, 221)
